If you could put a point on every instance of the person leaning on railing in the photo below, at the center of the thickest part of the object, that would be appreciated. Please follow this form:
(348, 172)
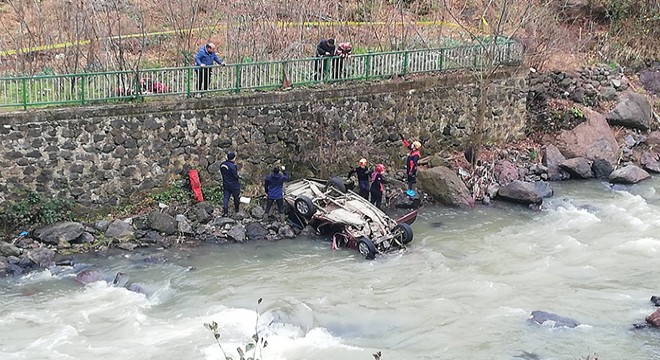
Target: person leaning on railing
(323, 49)
(343, 52)
(205, 58)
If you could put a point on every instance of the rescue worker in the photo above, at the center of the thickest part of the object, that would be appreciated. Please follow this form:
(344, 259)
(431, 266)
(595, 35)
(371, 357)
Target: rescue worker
(231, 185)
(411, 164)
(273, 184)
(363, 174)
(377, 185)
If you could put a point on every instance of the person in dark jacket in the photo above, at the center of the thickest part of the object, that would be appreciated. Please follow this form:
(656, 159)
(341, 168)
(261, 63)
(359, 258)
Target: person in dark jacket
(205, 58)
(231, 185)
(377, 189)
(411, 163)
(273, 184)
(363, 174)
(325, 48)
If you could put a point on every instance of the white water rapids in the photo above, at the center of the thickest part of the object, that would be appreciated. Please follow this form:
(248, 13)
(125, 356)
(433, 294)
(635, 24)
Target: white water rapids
(463, 290)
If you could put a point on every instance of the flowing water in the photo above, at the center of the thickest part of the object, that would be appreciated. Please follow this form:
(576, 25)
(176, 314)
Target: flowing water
(463, 290)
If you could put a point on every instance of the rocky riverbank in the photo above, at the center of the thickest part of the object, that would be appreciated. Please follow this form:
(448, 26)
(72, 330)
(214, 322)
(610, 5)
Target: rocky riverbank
(581, 126)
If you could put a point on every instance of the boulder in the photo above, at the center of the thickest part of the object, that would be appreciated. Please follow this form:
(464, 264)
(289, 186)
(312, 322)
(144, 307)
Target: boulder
(633, 111)
(119, 229)
(88, 276)
(162, 222)
(52, 234)
(520, 192)
(653, 139)
(257, 212)
(630, 174)
(183, 225)
(579, 168)
(552, 159)
(7, 249)
(654, 319)
(592, 139)
(42, 257)
(649, 161)
(443, 184)
(4, 267)
(543, 189)
(286, 232)
(237, 233)
(650, 78)
(552, 320)
(601, 168)
(255, 231)
(505, 172)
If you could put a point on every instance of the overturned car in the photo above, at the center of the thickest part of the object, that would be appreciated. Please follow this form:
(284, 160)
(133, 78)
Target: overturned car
(351, 220)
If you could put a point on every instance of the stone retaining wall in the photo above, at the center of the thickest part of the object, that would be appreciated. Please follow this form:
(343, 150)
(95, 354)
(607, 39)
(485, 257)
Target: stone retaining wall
(104, 155)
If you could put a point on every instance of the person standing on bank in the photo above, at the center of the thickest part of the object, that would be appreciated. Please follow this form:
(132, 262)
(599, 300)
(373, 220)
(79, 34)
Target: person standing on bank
(363, 174)
(231, 185)
(343, 52)
(377, 189)
(205, 58)
(273, 184)
(325, 48)
(411, 164)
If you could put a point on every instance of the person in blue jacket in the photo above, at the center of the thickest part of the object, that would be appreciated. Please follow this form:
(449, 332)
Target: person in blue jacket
(231, 185)
(205, 58)
(273, 184)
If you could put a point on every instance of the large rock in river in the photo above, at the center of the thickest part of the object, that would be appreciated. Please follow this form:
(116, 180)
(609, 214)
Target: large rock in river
(592, 139)
(630, 174)
(521, 192)
(444, 185)
(52, 234)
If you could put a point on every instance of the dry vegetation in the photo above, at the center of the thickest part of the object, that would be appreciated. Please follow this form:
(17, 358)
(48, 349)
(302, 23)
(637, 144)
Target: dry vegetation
(108, 34)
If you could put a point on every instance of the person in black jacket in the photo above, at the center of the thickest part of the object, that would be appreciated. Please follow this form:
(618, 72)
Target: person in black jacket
(231, 185)
(377, 189)
(363, 174)
(273, 184)
(325, 48)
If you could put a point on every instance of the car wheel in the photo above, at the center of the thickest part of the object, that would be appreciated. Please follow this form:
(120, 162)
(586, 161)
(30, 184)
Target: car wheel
(305, 207)
(403, 232)
(336, 183)
(367, 248)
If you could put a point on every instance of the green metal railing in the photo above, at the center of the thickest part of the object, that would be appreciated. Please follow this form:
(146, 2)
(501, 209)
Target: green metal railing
(91, 88)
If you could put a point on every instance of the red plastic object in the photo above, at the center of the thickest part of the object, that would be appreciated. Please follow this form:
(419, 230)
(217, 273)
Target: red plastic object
(196, 185)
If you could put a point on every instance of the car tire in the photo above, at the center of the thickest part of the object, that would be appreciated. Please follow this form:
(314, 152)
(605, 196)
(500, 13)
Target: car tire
(405, 231)
(337, 183)
(304, 207)
(366, 247)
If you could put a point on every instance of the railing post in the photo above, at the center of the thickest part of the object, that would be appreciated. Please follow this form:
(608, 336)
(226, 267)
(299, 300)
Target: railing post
(82, 89)
(508, 52)
(442, 58)
(138, 89)
(189, 81)
(326, 69)
(24, 89)
(237, 68)
(406, 59)
(367, 66)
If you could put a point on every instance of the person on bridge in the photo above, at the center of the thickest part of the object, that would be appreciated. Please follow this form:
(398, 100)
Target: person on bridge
(231, 185)
(325, 48)
(377, 189)
(411, 164)
(363, 174)
(343, 52)
(205, 58)
(273, 184)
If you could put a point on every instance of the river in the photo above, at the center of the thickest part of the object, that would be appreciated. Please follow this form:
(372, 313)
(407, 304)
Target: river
(463, 290)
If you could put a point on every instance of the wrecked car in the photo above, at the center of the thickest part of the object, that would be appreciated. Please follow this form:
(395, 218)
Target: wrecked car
(351, 221)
